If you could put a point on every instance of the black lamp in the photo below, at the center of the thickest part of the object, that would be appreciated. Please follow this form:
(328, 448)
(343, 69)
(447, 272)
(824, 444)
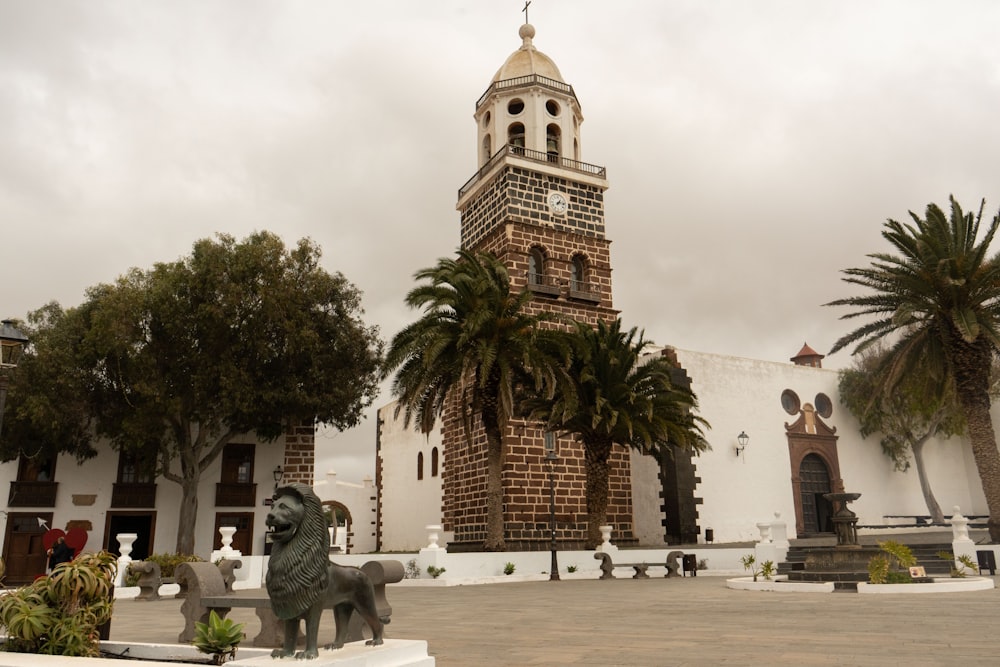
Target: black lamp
(743, 440)
(551, 458)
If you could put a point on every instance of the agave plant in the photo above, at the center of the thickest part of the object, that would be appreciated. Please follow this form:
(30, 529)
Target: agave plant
(60, 614)
(219, 637)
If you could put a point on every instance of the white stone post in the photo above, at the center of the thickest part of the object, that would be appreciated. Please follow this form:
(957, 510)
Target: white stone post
(765, 532)
(961, 545)
(432, 536)
(125, 541)
(605, 546)
(779, 536)
(433, 554)
(227, 533)
(227, 551)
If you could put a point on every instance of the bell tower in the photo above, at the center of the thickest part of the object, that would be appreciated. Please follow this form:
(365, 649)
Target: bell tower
(539, 208)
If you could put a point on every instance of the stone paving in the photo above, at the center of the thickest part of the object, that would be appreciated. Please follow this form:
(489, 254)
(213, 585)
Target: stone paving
(657, 622)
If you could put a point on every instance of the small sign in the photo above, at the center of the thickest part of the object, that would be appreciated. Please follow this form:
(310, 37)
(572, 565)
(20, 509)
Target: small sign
(917, 572)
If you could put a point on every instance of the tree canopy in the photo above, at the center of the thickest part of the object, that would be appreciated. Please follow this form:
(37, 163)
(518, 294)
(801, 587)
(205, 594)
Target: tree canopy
(238, 337)
(618, 396)
(904, 416)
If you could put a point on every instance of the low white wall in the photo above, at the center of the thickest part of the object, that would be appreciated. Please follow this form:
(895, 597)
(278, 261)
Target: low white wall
(483, 566)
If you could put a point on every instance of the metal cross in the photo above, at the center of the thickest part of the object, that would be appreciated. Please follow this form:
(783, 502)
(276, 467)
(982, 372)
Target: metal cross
(525, 10)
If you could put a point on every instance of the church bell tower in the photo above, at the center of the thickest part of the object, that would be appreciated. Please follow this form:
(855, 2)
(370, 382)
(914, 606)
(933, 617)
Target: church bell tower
(536, 205)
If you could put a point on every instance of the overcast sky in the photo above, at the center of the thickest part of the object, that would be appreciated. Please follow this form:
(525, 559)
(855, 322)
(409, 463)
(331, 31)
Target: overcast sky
(754, 149)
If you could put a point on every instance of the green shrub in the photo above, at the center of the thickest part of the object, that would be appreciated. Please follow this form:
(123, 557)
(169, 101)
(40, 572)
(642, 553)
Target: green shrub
(509, 568)
(435, 572)
(169, 562)
(219, 637)
(892, 565)
(766, 568)
(60, 614)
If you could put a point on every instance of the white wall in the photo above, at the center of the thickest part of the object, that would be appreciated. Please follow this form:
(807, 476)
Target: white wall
(97, 475)
(408, 504)
(737, 394)
(360, 500)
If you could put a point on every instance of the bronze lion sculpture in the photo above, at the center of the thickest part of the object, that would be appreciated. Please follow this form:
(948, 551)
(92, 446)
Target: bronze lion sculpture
(301, 581)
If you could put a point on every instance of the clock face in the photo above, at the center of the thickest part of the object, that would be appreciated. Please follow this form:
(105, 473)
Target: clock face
(557, 203)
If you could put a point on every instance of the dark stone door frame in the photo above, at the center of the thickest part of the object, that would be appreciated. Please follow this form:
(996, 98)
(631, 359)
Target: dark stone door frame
(809, 435)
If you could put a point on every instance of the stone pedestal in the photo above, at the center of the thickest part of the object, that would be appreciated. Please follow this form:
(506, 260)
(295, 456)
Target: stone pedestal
(125, 541)
(845, 522)
(605, 546)
(961, 545)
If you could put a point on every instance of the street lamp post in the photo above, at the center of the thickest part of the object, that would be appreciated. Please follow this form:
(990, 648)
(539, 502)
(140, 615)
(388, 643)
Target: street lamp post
(12, 344)
(551, 458)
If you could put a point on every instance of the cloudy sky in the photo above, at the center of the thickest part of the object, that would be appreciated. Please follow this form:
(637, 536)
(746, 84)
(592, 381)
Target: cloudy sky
(754, 149)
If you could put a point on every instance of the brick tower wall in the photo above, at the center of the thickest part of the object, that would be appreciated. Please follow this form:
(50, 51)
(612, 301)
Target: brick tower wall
(525, 473)
(300, 454)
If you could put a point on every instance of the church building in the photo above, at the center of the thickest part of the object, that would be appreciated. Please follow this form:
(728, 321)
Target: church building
(780, 439)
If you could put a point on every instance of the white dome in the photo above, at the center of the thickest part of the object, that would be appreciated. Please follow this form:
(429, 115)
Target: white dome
(528, 60)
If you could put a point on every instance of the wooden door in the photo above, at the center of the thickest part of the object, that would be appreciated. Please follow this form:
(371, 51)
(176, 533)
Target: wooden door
(23, 552)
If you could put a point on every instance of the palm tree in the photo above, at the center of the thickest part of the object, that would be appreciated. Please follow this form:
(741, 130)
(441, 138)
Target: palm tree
(938, 299)
(475, 347)
(617, 396)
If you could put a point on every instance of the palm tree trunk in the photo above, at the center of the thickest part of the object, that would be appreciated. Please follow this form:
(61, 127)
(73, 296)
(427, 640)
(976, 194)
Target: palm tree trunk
(494, 484)
(933, 508)
(971, 363)
(596, 455)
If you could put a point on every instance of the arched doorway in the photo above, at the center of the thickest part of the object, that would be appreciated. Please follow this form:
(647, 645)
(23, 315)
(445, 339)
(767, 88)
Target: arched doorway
(339, 518)
(817, 511)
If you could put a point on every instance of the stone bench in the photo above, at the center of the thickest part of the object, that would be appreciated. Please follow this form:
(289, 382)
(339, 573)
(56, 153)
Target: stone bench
(607, 565)
(207, 592)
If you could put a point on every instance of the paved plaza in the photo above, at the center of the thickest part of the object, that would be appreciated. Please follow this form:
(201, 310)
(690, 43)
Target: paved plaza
(661, 622)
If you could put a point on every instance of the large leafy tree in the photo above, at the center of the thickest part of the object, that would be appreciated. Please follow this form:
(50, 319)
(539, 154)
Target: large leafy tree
(476, 347)
(179, 360)
(618, 396)
(936, 301)
(905, 416)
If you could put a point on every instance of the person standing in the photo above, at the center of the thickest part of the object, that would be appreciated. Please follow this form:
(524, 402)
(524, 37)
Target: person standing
(59, 553)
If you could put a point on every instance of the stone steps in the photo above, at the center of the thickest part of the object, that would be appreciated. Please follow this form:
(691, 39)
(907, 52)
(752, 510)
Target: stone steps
(846, 575)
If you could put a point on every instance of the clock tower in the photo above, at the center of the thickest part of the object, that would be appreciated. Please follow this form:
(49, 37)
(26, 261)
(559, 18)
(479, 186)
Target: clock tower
(538, 207)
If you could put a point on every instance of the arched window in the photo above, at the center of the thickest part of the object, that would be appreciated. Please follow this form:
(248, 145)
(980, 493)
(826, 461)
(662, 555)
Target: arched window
(578, 274)
(420, 465)
(434, 462)
(552, 141)
(515, 137)
(487, 148)
(536, 267)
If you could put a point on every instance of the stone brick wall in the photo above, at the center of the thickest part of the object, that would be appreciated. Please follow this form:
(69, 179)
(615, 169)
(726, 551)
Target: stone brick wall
(518, 194)
(508, 218)
(300, 454)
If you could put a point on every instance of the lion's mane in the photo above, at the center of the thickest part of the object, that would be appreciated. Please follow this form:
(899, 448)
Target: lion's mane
(297, 573)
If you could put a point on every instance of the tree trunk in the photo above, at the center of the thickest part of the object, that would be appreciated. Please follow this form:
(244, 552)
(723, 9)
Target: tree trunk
(494, 485)
(188, 513)
(971, 364)
(933, 508)
(596, 455)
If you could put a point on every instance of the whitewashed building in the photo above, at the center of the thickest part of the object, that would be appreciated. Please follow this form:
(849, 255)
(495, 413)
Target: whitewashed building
(797, 431)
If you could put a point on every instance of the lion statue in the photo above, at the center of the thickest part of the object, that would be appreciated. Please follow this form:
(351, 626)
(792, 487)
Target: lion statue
(301, 581)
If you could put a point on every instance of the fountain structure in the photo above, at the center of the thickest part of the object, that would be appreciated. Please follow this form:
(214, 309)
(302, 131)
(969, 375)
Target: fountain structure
(844, 564)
